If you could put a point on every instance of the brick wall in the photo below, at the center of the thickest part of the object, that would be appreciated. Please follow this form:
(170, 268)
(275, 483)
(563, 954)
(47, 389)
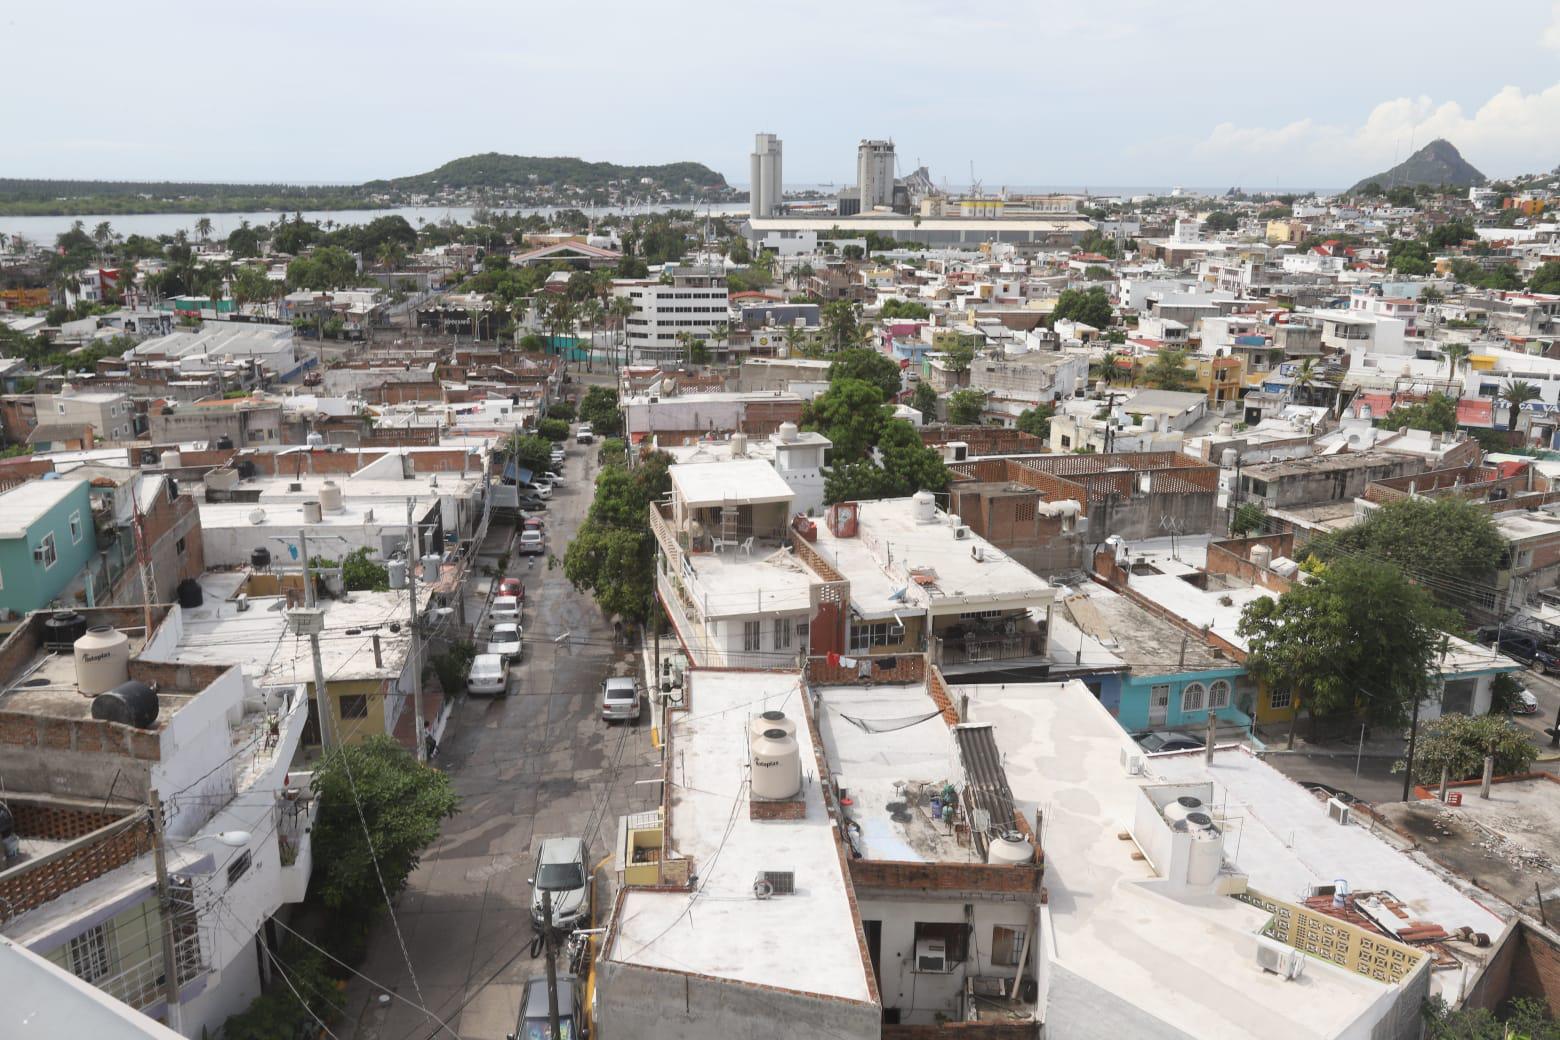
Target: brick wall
(37, 881)
(761, 809)
(1535, 970)
(973, 1030)
(907, 668)
(1232, 556)
(946, 877)
(54, 819)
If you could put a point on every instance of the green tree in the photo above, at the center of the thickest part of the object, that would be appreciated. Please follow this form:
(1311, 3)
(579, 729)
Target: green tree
(1521, 1019)
(1409, 256)
(291, 1008)
(1452, 233)
(851, 414)
(599, 407)
(251, 285)
(857, 481)
(1437, 414)
(1460, 742)
(908, 463)
(612, 555)
(1168, 370)
(325, 269)
(1248, 517)
(870, 366)
(1221, 220)
(907, 310)
(924, 400)
(1547, 278)
(1036, 421)
(360, 573)
(1446, 544)
(841, 326)
(1430, 295)
(561, 410)
(529, 451)
(554, 430)
(244, 241)
(958, 354)
(1089, 306)
(1456, 355)
(1518, 392)
(965, 407)
(1360, 639)
(377, 804)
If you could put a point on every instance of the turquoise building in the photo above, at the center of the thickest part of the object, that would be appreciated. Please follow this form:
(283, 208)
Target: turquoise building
(46, 538)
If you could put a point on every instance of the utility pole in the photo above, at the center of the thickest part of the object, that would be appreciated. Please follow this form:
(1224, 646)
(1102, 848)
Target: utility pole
(549, 940)
(165, 899)
(310, 621)
(412, 547)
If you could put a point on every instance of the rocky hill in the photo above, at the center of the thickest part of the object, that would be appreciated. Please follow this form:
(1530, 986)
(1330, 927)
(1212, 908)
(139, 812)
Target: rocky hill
(497, 171)
(1437, 163)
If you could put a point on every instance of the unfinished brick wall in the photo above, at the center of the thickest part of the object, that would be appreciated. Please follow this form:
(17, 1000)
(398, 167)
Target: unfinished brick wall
(907, 668)
(1535, 970)
(985, 878)
(762, 809)
(48, 818)
(38, 881)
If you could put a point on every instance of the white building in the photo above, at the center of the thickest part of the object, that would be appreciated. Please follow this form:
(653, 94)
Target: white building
(111, 415)
(765, 187)
(875, 174)
(695, 301)
(798, 456)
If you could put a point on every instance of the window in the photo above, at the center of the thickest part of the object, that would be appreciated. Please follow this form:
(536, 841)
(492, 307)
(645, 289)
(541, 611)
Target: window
(750, 636)
(1194, 697)
(75, 528)
(879, 633)
(89, 953)
(179, 546)
(1007, 945)
(782, 633)
(238, 867)
(1219, 694)
(354, 706)
(1278, 698)
(951, 936)
(45, 552)
(1066, 441)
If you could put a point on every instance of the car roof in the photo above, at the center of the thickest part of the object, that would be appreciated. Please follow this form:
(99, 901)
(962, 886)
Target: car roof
(506, 626)
(487, 661)
(561, 850)
(504, 599)
(617, 682)
(530, 530)
(536, 994)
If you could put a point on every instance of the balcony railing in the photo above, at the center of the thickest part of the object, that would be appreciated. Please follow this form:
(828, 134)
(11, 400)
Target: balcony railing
(141, 985)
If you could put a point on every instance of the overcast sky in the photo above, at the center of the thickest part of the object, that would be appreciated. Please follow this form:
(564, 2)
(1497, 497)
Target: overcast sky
(1206, 93)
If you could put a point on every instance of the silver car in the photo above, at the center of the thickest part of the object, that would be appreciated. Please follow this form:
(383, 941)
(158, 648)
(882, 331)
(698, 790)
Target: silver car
(620, 700)
(561, 870)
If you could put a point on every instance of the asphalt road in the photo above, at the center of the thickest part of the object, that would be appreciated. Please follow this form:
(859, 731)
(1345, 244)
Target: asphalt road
(539, 763)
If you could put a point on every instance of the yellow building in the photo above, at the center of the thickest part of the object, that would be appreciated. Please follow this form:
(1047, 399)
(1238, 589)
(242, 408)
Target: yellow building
(1281, 231)
(1221, 378)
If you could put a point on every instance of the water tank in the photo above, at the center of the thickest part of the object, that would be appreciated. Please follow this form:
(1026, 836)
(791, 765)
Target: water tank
(1228, 458)
(1226, 429)
(61, 630)
(130, 703)
(1261, 555)
(169, 459)
(315, 440)
(397, 570)
(430, 566)
(222, 479)
(738, 445)
(224, 443)
(1207, 855)
(788, 433)
(190, 594)
(102, 660)
(1181, 807)
(762, 723)
(1010, 848)
(330, 497)
(925, 507)
(260, 558)
(257, 516)
(312, 513)
(777, 765)
(1150, 423)
(247, 470)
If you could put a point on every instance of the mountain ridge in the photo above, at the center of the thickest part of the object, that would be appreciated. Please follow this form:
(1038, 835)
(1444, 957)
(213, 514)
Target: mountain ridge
(1437, 164)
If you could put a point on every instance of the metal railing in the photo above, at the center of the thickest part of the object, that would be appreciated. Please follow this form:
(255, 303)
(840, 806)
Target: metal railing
(141, 985)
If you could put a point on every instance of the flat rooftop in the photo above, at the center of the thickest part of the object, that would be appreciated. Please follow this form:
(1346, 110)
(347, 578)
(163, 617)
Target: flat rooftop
(807, 942)
(46, 687)
(897, 564)
(734, 583)
(25, 504)
(886, 760)
(1179, 959)
(1143, 640)
(734, 482)
(1317, 464)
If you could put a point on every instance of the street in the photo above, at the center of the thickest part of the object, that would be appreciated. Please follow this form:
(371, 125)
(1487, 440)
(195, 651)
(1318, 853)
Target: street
(539, 763)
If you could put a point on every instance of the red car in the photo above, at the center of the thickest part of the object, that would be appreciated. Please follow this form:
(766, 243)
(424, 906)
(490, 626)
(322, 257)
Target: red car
(534, 523)
(511, 587)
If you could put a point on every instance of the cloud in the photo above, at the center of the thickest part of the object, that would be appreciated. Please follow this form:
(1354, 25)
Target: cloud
(1551, 36)
(1512, 132)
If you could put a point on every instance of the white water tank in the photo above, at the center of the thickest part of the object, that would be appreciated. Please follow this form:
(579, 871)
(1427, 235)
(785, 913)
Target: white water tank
(330, 497)
(1010, 848)
(315, 439)
(257, 516)
(397, 569)
(1207, 855)
(222, 479)
(788, 433)
(430, 567)
(1150, 423)
(738, 445)
(1226, 429)
(1261, 555)
(1181, 807)
(1228, 458)
(102, 660)
(763, 722)
(169, 459)
(777, 766)
(925, 507)
(312, 514)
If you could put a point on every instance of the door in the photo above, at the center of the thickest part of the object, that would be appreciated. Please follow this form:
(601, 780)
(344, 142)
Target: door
(1158, 704)
(874, 933)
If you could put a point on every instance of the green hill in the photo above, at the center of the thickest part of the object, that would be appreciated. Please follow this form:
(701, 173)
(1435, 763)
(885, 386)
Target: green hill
(494, 170)
(1437, 164)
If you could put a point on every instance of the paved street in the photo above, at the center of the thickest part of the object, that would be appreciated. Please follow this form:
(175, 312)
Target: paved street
(537, 764)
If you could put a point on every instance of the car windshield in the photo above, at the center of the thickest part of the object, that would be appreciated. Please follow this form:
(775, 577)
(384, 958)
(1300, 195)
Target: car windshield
(620, 693)
(557, 877)
(536, 1028)
(531, 536)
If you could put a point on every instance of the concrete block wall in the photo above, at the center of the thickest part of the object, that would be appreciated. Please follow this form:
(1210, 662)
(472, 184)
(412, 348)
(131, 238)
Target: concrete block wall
(36, 882)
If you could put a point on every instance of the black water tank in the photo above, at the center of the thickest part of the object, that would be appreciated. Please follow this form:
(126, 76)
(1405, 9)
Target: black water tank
(131, 703)
(260, 559)
(246, 469)
(61, 630)
(224, 443)
(190, 594)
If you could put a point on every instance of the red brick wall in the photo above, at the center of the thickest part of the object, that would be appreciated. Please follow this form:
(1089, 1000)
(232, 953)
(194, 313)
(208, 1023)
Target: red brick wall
(973, 1030)
(945, 877)
(908, 668)
(1535, 971)
(759, 809)
(29, 886)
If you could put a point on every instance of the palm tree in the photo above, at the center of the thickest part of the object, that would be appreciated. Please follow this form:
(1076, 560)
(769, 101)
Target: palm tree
(1110, 366)
(1516, 393)
(621, 308)
(1305, 380)
(591, 313)
(1456, 355)
(203, 228)
(102, 237)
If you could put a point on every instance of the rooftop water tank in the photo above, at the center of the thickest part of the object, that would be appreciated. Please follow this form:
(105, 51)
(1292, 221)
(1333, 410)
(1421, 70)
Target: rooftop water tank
(762, 723)
(925, 505)
(397, 571)
(222, 479)
(1010, 848)
(61, 630)
(169, 459)
(190, 594)
(312, 513)
(224, 443)
(1181, 807)
(260, 558)
(1228, 458)
(1207, 855)
(330, 497)
(130, 703)
(315, 439)
(430, 566)
(777, 766)
(1226, 429)
(102, 659)
(1261, 555)
(788, 433)
(738, 445)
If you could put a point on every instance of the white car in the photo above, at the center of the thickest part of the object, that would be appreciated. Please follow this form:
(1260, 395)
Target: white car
(489, 674)
(504, 611)
(585, 434)
(532, 543)
(504, 641)
(540, 488)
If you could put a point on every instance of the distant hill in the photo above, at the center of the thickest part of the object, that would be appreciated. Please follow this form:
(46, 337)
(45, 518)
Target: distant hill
(494, 170)
(1437, 163)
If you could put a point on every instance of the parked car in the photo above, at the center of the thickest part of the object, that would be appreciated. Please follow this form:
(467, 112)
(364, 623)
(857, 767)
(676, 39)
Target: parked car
(533, 523)
(536, 1012)
(504, 641)
(1524, 647)
(585, 434)
(1525, 702)
(620, 699)
(504, 611)
(512, 587)
(533, 503)
(539, 488)
(561, 870)
(532, 543)
(1165, 740)
(489, 674)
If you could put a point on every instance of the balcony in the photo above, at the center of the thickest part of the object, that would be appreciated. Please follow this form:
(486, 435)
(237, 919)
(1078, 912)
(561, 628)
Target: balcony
(141, 985)
(296, 809)
(969, 643)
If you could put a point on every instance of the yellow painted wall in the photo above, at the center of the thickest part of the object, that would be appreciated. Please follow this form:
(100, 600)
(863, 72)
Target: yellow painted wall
(1344, 944)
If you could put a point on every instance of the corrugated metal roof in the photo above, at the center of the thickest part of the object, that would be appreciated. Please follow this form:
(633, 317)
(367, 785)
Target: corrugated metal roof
(986, 782)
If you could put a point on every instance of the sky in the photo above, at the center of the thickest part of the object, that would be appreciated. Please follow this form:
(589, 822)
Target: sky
(1201, 93)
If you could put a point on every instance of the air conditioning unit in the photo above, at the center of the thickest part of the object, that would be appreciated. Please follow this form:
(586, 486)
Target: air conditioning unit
(961, 532)
(39, 554)
(1131, 762)
(1337, 811)
(1284, 961)
(931, 955)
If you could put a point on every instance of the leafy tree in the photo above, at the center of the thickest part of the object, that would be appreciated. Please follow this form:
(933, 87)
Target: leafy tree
(1460, 742)
(1221, 220)
(1168, 371)
(965, 407)
(1437, 413)
(897, 309)
(1360, 639)
(924, 400)
(1036, 421)
(1409, 256)
(1402, 195)
(327, 268)
(244, 241)
(908, 462)
(1524, 1019)
(870, 366)
(1547, 278)
(554, 430)
(1089, 306)
(958, 351)
(1249, 517)
(1452, 233)
(561, 410)
(851, 414)
(855, 482)
(612, 555)
(529, 451)
(401, 803)
(361, 574)
(1430, 295)
(291, 1008)
(599, 407)
(1444, 543)
(841, 326)
(250, 285)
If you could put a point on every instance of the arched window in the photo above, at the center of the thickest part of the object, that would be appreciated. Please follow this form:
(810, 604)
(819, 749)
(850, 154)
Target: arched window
(1219, 694)
(1193, 697)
